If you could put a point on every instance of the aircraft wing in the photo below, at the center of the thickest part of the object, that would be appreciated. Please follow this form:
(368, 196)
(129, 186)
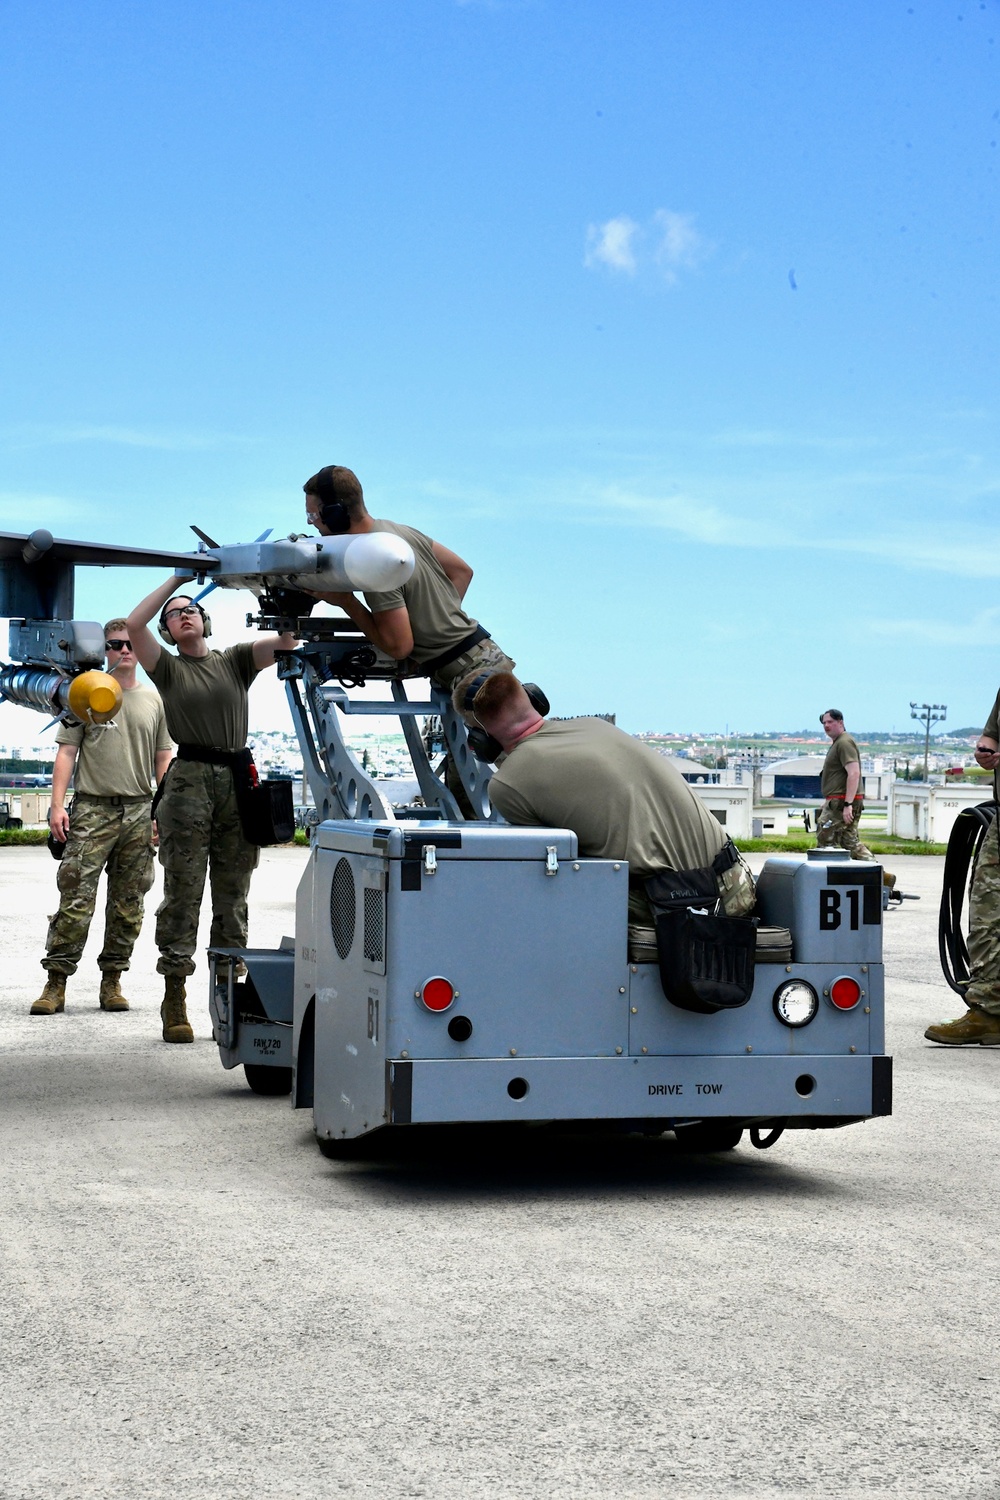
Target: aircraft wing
(105, 554)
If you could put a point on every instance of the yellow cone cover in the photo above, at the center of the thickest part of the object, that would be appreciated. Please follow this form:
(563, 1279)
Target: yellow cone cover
(95, 697)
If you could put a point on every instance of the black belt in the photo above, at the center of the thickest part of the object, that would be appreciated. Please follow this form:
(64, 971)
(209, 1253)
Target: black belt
(447, 657)
(207, 755)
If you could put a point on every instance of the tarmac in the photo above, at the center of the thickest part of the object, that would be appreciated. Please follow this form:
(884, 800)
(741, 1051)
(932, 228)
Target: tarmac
(195, 1303)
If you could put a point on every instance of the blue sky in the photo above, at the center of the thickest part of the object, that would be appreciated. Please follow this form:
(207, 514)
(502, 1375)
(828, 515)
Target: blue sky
(678, 320)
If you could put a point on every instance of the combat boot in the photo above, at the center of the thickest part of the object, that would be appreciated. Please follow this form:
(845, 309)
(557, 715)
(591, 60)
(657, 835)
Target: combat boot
(111, 994)
(52, 998)
(173, 1011)
(975, 1028)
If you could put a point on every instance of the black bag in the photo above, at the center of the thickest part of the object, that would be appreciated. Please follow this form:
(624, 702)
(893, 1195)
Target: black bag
(706, 961)
(267, 811)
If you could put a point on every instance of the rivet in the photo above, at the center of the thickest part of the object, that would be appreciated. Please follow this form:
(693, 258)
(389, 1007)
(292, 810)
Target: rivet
(576, 867)
(617, 867)
(457, 993)
(864, 968)
(645, 1049)
(635, 1010)
(635, 968)
(618, 1050)
(853, 1049)
(788, 968)
(513, 1051)
(826, 992)
(868, 1010)
(621, 989)
(404, 1054)
(416, 994)
(749, 1049)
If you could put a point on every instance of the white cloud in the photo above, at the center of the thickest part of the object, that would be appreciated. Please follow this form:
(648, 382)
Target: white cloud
(35, 435)
(681, 247)
(613, 245)
(669, 244)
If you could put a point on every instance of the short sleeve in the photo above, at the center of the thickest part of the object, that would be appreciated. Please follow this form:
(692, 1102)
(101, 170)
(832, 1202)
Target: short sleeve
(992, 728)
(163, 740)
(70, 734)
(510, 803)
(379, 603)
(241, 657)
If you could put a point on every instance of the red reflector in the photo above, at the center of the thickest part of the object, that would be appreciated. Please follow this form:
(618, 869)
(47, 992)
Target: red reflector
(845, 993)
(437, 994)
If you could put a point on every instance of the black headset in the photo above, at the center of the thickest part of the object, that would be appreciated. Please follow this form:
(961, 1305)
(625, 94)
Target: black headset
(334, 515)
(163, 630)
(483, 745)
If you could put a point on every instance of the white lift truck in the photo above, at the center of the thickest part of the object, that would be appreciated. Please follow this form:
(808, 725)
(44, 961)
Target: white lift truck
(447, 970)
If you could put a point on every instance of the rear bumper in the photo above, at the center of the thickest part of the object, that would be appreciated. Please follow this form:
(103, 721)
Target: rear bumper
(430, 1090)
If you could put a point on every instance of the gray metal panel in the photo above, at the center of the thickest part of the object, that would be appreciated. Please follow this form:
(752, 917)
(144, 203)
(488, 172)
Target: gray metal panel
(451, 840)
(665, 1030)
(539, 961)
(639, 1088)
(833, 918)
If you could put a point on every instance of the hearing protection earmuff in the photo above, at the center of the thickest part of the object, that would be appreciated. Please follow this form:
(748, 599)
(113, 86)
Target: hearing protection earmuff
(335, 516)
(163, 631)
(482, 744)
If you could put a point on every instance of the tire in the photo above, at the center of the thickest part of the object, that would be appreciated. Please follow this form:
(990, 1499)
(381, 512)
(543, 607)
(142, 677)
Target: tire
(270, 1081)
(721, 1137)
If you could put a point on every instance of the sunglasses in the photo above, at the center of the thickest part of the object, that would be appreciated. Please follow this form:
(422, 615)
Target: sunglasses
(117, 645)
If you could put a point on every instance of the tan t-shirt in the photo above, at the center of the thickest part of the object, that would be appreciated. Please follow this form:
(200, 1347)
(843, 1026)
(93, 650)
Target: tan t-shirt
(118, 759)
(622, 800)
(437, 619)
(205, 697)
(843, 752)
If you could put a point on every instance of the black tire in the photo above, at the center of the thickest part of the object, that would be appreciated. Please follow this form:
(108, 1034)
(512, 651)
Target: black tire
(709, 1137)
(270, 1081)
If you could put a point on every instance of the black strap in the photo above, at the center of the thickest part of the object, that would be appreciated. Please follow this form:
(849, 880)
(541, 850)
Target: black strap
(727, 856)
(207, 755)
(447, 657)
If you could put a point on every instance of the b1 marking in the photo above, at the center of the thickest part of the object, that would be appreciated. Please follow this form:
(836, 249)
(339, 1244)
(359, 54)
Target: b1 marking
(830, 913)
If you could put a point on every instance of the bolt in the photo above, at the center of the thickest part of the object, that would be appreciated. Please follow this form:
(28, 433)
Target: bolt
(645, 1049)
(618, 1051)
(635, 968)
(635, 1010)
(617, 867)
(513, 1051)
(788, 968)
(826, 992)
(864, 968)
(576, 867)
(404, 1054)
(868, 1010)
(621, 989)
(749, 1049)
(853, 1049)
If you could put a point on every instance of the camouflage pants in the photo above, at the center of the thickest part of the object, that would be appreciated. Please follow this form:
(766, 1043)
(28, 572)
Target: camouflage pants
(984, 927)
(112, 833)
(833, 833)
(485, 656)
(201, 834)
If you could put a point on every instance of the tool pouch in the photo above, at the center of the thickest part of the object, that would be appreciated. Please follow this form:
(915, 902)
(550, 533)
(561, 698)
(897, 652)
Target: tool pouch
(267, 813)
(706, 960)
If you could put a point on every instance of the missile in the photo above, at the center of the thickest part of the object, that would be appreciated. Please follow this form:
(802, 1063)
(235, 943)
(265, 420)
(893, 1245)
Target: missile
(370, 561)
(91, 697)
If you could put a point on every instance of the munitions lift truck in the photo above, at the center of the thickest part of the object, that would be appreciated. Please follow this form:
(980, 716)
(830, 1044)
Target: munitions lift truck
(447, 969)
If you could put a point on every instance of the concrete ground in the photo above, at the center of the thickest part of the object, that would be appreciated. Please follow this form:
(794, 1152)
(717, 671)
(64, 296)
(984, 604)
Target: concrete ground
(195, 1303)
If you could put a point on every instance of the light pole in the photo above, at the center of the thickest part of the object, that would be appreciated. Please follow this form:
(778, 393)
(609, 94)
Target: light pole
(928, 714)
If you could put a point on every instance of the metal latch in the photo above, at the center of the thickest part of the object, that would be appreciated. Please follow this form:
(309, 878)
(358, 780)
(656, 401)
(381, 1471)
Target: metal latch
(551, 860)
(430, 859)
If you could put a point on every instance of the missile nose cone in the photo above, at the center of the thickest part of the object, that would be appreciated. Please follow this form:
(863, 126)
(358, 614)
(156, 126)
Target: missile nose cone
(94, 697)
(378, 561)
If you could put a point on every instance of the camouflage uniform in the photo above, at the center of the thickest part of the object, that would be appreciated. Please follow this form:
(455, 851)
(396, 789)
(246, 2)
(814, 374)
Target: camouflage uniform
(485, 656)
(201, 833)
(984, 927)
(833, 833)
(104, 832)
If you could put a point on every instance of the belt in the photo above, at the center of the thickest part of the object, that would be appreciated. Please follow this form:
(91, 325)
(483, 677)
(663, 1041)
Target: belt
(207, 755)
(447, 657)
(842, 797)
